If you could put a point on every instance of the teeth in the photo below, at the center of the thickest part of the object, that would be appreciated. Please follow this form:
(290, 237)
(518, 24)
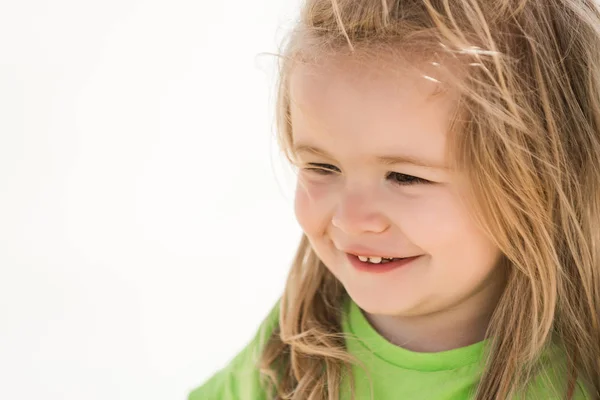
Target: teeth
(374, 259)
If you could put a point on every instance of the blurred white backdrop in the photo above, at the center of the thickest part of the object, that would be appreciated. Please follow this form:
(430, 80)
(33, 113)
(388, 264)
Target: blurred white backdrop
(146, 216)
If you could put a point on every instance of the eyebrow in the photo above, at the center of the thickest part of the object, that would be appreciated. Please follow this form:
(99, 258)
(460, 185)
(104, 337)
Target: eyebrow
(385, 160)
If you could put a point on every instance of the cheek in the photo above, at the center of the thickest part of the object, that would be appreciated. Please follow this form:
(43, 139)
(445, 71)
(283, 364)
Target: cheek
(439, 222)
(447, 228)
(301, 208)
(429, 220)
(309, 208)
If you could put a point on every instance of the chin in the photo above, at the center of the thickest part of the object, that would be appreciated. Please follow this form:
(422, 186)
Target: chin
(381, 303)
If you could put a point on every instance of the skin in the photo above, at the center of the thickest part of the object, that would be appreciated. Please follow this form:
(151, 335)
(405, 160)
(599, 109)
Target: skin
(355, 113)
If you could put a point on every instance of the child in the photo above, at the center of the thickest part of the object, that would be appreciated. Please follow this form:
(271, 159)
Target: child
(461, 139)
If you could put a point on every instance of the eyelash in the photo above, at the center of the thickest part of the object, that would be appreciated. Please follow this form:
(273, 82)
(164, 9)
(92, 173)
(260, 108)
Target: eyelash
(412, 180)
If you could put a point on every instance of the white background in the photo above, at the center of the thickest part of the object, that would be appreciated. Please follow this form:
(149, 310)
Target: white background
(146, 216)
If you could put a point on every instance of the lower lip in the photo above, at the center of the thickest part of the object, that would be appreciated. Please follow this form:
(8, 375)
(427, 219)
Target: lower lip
(378, 268)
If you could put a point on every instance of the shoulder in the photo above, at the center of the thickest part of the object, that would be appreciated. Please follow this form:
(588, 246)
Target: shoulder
(240, 379)
(551, 382)
(545, 388)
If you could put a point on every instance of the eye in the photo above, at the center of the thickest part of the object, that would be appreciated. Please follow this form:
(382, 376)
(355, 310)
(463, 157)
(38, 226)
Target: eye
(322, 169)
(396, 177)
(405, 180)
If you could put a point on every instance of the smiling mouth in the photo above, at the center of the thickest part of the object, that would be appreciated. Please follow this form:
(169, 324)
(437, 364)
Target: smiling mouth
(383, 260)
(381, 266)
(378, 259)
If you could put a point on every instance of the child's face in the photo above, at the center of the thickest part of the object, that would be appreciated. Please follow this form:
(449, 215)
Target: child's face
(356, 116)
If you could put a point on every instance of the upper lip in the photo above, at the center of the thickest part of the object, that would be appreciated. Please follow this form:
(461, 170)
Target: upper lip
(367, 252)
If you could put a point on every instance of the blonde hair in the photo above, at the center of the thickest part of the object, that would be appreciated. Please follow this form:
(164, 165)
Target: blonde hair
(529, 144)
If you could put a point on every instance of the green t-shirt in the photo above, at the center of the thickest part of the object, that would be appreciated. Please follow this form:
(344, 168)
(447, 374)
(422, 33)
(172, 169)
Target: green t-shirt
(396, 373)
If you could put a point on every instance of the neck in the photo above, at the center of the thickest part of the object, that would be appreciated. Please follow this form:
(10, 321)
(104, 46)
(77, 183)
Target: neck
(460, 325)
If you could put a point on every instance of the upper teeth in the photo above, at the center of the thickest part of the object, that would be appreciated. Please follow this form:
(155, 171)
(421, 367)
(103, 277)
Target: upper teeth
(373, 259)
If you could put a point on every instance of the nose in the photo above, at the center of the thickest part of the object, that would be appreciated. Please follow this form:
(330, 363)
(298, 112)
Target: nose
(359, 212)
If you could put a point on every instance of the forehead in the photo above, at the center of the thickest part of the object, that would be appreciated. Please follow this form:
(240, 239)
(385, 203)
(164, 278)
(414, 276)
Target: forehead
(366, 109)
